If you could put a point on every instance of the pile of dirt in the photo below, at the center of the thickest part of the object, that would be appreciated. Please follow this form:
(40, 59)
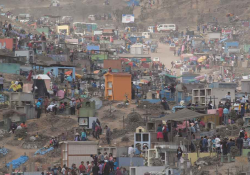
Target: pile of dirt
(125, 139)
(32, 126)
(133, 121)
(21, 133)
(54, 153)
(208, 161)
(230, 130)
(117, 133)
(151, 107)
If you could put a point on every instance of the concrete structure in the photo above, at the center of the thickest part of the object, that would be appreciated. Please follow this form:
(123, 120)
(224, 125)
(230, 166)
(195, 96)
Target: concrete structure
(136, 49)
(144, 138)
(46, 78)
(20, 99)
(114, 64)
(11, 116)
(127, 161)
(214, 35)
(245, 85)
(75, 152)
(202, 95)
(118, 86)
(63, 29)
(7, 43)
(57, 70)
(10, 68)
(141, 129)
(144, 169)
(28, 54)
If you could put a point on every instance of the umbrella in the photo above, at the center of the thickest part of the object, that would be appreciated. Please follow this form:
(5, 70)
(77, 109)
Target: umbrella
(96, 71)
(201, 59)
(144, 81)
(68, 72)
(193, 58)
(78, 76)
(132, 64)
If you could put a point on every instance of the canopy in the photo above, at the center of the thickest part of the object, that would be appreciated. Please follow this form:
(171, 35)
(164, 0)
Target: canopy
(144, 59)
(183, 114)
(144, 81)
(68, 72)
(132, 64)
(201, 59)
(96, 71)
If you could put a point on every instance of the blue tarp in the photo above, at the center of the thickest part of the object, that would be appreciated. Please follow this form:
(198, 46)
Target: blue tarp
(4, 151)
(43, 151)
(93, 47)
(16, 163)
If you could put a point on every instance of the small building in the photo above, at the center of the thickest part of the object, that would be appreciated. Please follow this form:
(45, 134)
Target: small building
(245, 85)
(75, 152)
(7, 43)
(28, 54)
(136, 49)
(58, 69)
(141, 129)
(118, 86)
(63, 29)
(114, 64)
(44, 77)
(11, 116)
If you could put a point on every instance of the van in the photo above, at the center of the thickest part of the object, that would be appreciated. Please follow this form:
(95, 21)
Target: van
(146, 35)
(166, 27)
(91, 17)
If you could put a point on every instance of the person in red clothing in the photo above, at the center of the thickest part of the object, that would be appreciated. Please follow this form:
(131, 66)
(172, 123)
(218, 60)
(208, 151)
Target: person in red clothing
(82, 168)
(220, 110)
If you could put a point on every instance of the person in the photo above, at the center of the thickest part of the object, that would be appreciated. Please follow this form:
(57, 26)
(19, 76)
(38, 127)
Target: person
(228, 96)
(159, 133)
(1, 82)
(210, 105)
(131, 150)
(204, 144)
(89, 168)
(55, 170)
(61, 107)
(97, 131)
(209, 144)
(83, 135)
(72, 106)
(50, 73)
(124, 171)
(239, 144)
(51, 107)
(73, 87)
(201, 144)
(46, 104)
(95, 169)
(106, 168)
(55, 89)
(21, 84)
(108, 134)
(93, 128)
(225, 115)
(242, 133)
(217, 144)
(77, 137)
(100, 168)
(165, 133)
(229, 145)
(118, 171)
(63, 171)
(115, 164)
(82, 168)
(13, 127)
(224, 146)
(39, 108)
(179, 153)
(172, 90)
(23, 125)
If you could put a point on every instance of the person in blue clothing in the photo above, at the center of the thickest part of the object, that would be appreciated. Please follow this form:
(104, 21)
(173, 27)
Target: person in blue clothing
(69, 78)
(204, 144)
(83, 135)
(225, 115)
(115, 164)
(39, 108)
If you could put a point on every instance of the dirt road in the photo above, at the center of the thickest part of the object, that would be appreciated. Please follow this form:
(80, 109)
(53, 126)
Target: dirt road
(166, 56)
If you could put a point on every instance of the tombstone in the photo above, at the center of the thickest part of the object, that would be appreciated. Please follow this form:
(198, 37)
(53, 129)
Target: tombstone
(149, 95)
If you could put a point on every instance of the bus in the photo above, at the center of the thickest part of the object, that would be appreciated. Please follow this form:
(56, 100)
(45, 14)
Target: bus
(166, 27)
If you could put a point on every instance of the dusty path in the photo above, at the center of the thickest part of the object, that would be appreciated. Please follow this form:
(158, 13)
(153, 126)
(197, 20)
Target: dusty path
(166, 56)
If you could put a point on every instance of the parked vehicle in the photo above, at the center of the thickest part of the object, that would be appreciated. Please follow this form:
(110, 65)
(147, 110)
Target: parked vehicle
(151, 29)
(166, 27)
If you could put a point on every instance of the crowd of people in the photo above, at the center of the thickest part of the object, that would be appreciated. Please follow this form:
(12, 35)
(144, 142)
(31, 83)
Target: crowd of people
(101, 164)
